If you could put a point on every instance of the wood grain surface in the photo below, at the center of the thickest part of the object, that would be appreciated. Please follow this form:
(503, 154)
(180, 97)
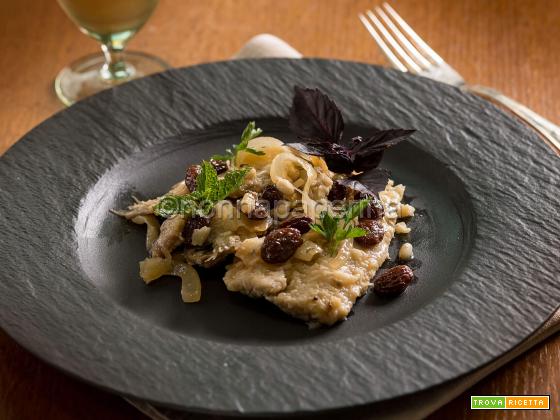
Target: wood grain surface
(511, 45)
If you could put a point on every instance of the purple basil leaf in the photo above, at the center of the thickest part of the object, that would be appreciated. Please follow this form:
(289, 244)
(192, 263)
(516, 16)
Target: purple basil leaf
(380, 140)
(315, 116)
(355, 185)
(338, 158)
(365, 161)
(357, 140)
(369, 152)
(374, 179)
(313, 149)
(318, 123)
(339, 162)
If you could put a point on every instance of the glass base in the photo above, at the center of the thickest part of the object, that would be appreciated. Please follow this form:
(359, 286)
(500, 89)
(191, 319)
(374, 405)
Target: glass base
(88, 75)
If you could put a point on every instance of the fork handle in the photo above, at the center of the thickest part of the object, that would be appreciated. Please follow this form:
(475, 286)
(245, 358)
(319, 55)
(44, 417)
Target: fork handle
(550, 131)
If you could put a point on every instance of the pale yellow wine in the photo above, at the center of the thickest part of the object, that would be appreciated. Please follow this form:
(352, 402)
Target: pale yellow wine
(109, 20)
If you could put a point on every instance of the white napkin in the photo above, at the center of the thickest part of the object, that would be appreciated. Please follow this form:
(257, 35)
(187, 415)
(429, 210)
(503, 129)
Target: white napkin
(266, 45)
(416, 406)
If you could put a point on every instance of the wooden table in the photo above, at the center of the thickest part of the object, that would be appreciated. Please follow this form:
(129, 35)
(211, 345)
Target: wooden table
(513, 46)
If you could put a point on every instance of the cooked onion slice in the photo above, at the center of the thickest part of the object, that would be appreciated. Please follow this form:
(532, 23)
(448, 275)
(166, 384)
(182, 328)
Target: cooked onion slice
(155, 267)
(153, 227)
(282, 171)
(190, 282)
(268, 145)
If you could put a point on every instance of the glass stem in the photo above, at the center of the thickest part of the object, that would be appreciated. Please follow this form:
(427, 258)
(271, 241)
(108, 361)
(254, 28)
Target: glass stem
(115, 68)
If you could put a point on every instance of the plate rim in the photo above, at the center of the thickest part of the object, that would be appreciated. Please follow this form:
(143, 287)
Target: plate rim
(226, 69)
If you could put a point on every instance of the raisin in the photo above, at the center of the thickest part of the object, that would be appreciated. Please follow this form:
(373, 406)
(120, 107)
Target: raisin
(219, 165)
(374, 233)
(280, 244)
(393, 281)
(190, 178)
(272, 195)
(337, 192)
(374, 209)
(260, 211)
(195, 222)
(300, 223)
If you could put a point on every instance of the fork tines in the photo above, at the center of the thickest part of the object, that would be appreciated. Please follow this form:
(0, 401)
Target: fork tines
(398, 41)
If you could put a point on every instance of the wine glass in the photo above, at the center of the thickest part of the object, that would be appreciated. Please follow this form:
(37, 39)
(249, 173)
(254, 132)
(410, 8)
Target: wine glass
(112, 23)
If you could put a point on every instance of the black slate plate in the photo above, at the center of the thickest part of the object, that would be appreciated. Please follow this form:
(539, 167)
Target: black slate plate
(486, 234)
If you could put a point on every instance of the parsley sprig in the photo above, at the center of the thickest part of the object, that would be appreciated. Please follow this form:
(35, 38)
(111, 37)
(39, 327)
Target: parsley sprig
(209, 190)
(336, 228)
(250, 132)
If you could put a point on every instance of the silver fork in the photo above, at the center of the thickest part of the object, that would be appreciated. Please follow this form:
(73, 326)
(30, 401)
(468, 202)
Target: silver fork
(408, 52)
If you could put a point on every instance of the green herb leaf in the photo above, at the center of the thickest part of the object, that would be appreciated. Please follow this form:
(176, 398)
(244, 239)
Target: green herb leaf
(227, 156)
(355, 232)
(231, 182)
(355, 210)
(249, 133)
(253, 151)
(209, 190)
(207, 180)
(330, 223)
(317, 228)
(340, 235)
(338, 228)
